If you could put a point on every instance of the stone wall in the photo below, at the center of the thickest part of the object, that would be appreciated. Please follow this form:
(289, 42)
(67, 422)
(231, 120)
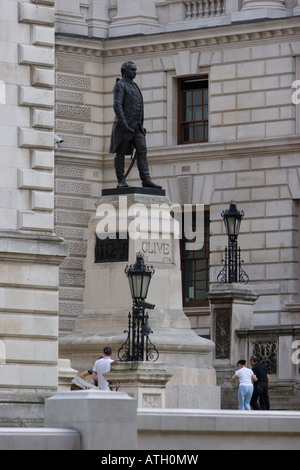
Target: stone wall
(78, 171)
(30, 252)
(78, 421)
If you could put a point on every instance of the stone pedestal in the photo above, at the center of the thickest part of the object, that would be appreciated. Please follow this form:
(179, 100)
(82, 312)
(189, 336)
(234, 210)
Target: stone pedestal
(260, 9)
(107, 295)
(106, 420)
(65, 375)
(249, 5)
(144, 381)
(232, 310)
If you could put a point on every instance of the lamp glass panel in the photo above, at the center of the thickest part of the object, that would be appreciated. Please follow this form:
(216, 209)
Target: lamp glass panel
(145, 285)
(137, 282)
(130, 280)
(232, 225)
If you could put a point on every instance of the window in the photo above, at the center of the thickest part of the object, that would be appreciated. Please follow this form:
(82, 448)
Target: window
(195, 269)
(193, 110)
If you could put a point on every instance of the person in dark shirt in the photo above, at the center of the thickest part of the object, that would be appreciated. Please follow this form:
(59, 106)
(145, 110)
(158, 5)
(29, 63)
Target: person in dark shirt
(260, 398)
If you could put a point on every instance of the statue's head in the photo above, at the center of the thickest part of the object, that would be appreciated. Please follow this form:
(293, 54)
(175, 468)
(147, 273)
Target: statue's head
(128, 69)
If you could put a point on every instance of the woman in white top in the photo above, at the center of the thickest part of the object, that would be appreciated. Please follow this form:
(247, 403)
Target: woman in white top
(246, 378)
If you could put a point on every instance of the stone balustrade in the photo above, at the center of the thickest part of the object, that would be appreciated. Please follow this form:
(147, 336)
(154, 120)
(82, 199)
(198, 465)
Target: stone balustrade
(204, 9)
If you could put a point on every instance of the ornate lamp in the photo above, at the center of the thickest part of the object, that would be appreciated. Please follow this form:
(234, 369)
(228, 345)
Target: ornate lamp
(232, 270)
(232, 220)
(139, 277)
(138, 346)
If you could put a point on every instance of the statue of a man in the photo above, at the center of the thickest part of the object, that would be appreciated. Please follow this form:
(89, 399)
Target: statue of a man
(128, 132)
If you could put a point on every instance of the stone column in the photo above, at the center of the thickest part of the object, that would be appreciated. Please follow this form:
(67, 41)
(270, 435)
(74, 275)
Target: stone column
(134, 17)
(232, 6)
(69, 18)
(232, 310)
(252, 9)
(98, 20)
(261, 4)
(296, 10)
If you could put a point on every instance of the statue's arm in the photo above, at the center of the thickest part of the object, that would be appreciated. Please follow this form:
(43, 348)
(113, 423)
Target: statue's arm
(119, 93)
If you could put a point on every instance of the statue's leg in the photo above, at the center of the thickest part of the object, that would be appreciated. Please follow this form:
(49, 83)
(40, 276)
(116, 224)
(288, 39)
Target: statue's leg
(120, 171)
(143, 167)
(142, 162)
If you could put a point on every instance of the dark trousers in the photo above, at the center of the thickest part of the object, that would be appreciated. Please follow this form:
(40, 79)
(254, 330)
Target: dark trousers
(260, 398)
(139, 143)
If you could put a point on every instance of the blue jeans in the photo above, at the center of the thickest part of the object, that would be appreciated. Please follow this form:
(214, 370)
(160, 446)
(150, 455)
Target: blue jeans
(245, 395)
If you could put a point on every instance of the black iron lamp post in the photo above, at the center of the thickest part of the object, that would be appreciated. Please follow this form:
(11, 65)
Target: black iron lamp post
(138, 346)
(232, 270)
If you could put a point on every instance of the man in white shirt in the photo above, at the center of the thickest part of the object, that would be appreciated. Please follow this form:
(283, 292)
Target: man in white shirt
(102, 366)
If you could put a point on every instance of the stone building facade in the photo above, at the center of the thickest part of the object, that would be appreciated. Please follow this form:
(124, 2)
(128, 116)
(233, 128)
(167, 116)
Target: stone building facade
(30, 250)
(248, 54)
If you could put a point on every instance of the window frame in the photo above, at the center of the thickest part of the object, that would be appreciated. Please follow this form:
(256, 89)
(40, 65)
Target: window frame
(181, 122)
(206, 258)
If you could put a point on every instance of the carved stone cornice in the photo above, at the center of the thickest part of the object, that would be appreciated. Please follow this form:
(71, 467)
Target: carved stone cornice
(72, 44)
(218, 150)
(207, 37)
(21, 247)
(193, 38)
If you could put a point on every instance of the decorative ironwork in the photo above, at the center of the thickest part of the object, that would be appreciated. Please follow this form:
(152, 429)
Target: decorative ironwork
(223, 329)
(138, 346)
(232, 270)
(144, 267)
(266, 353)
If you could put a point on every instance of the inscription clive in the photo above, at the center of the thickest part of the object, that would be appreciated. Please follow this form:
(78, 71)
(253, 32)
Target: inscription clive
(156, 248)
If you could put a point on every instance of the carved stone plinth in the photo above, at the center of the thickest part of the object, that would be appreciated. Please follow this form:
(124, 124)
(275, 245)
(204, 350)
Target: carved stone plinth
(232, 310)
(144, 224)
(260, 9)
(261, 4)
(144, 381)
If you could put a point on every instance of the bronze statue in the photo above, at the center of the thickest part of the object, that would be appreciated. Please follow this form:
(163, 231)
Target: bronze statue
(128, 132)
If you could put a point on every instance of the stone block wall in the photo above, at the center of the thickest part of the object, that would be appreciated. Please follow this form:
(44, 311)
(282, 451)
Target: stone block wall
(78, 172)
(30, 253)
(36, 56)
